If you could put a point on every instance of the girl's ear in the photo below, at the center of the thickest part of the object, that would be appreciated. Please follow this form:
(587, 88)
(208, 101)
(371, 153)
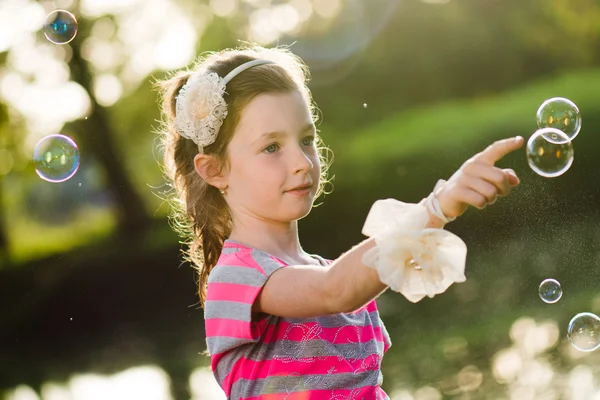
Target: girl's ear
(208, 169)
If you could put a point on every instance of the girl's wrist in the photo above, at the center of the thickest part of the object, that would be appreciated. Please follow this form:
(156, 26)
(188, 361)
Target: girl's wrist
(434, 220)
(432, 204)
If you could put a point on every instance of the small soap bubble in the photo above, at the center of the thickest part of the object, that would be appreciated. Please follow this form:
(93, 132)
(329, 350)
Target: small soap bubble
(561, 114)
(60, 27)
(550, 291)
(364, 105)
(549, 152)
(584, 331)
(56, 158)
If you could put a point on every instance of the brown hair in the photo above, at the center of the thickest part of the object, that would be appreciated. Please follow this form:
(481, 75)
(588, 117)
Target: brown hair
(199, 213)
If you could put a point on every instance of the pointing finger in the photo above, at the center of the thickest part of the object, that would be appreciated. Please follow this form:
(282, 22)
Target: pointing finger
(499, 149)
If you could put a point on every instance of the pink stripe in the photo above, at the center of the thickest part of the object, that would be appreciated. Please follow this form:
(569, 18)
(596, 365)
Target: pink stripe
(245, 258)
(228, 328)
(250, 369)
(367, 393)
(311, 330)
(232, 292)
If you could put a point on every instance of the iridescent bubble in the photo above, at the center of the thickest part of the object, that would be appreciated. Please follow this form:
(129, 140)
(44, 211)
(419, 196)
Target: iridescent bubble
(60, 27)
(549, 152)
(550, 291)
(56, 158)
(584, 331)
(561, 114)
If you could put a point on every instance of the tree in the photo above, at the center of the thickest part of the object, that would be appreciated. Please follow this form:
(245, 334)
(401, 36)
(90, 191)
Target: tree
(99, 140)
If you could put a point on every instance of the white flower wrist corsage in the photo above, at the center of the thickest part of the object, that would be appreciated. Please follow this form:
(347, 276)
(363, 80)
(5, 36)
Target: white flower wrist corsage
(410, 259)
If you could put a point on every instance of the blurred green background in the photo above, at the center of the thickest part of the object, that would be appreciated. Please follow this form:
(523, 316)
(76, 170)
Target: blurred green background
(95, 300)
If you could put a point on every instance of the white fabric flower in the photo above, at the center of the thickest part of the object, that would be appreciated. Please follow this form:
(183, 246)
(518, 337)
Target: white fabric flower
(410, 259)
(201, 108)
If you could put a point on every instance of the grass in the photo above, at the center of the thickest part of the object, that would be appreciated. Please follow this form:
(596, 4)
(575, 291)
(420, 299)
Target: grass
(453, 125)
(30, 240)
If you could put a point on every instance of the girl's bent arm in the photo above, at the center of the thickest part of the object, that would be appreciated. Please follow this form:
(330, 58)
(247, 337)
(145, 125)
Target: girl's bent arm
(306, 291)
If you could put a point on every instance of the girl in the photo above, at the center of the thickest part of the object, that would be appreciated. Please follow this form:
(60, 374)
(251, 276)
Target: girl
(243, 154)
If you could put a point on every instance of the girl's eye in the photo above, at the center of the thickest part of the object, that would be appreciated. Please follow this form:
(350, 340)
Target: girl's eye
(311, 140)
(273, 147)
(307, 141)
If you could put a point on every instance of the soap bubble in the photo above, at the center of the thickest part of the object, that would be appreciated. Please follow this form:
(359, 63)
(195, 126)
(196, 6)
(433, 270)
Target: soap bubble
(56, 158)
(60, 27)
(549, 152)
(550, 291)
(584, 331)
(561, 114)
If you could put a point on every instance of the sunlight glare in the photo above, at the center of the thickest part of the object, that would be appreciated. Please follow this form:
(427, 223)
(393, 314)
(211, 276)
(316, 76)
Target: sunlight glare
(428, 393)
(303, 7)
(176, 47)
(285, 18)
(506, 365)
(97, 8)
(146, 382)
(261, 27)
(223, 8)
(22, 392)
(328, 9)
(103, 54)
(53, 391)
(107, 89)
(580, 383)
(204, 386)
(18, 17)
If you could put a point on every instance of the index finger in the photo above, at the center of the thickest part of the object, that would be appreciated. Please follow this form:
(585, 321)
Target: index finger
(499, 149)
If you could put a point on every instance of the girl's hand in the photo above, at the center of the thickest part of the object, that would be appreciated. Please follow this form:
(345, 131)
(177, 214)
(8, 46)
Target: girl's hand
(478, 182)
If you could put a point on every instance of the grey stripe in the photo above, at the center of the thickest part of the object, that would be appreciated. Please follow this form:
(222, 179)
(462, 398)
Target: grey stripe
(287, 351)
(360, 319)
(228, 309)
(230, 250)
(232, 274)
(221, 344)
(265, 261)
(300, 383)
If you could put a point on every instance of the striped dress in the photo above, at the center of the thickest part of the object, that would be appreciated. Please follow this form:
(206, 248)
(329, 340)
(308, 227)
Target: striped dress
(331, 357)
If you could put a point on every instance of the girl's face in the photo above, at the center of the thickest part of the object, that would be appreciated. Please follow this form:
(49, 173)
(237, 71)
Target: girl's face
(273, 151)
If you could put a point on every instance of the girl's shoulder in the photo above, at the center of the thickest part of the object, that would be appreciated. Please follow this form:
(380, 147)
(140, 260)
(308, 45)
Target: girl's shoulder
(236, 251)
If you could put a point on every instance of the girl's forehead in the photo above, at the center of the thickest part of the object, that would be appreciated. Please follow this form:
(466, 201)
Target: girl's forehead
(273, 112)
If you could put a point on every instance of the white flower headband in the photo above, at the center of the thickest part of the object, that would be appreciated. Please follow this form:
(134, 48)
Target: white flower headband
(200, 107)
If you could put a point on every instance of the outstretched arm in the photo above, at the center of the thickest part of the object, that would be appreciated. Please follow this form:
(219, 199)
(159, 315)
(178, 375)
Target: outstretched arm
(305, 291)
